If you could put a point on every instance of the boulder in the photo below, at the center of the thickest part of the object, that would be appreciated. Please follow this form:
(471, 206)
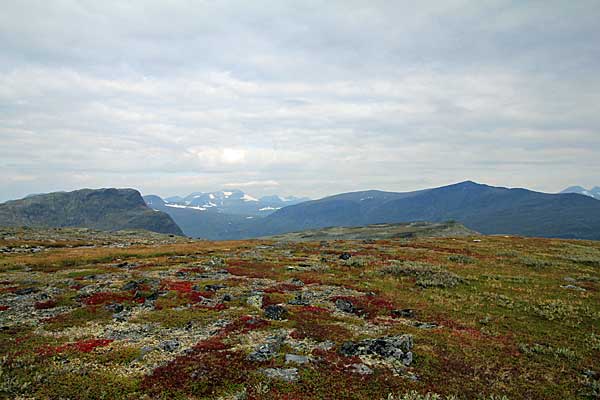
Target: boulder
(276, 312)
(345, 306)
(395, 347)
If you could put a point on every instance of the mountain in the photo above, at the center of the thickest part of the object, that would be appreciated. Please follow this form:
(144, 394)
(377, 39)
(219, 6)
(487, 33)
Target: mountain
(202, 222)
(222, 215)
(595, 192)
(483, 208)
(103, 209)
(232, 202)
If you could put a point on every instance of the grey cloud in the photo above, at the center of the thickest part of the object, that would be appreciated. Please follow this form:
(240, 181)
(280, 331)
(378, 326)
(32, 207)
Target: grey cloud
(318, 97)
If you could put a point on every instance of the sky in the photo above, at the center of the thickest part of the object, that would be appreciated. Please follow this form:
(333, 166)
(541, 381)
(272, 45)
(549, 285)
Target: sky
(305, 98)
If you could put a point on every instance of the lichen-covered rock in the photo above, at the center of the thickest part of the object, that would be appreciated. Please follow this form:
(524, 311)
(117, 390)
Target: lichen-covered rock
(395, 347)
(284, 374)
(296, 359)
(345, 306)
(361, 369)
(276, 312)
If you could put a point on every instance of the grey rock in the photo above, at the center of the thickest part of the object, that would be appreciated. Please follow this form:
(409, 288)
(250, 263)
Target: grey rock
(345, 306)
(276, 312)
(284, 374)
(345, 256)
(425, 325)
(169, 345)
(255, 300)
(131, 285)
(115, 307)
(226, 297)
(573, 287)
(326, 345)
(22, 292)
(299, 300)
(361, 369)
(395, 347)
(404, 313)
(214, 288)
(266, 351)
(296, 359)
(121, 316)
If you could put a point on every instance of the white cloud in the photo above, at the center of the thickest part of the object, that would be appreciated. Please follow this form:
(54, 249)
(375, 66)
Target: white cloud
(174, 99)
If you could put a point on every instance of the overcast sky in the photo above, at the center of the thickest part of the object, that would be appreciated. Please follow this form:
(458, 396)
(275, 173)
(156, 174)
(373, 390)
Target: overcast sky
(297, 97)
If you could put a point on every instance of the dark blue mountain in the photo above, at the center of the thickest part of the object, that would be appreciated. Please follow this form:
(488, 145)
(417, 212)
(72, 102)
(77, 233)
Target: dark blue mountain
(483, 208)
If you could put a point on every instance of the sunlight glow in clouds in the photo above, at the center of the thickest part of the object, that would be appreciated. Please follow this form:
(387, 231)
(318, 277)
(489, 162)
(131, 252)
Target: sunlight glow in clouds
(175, 98)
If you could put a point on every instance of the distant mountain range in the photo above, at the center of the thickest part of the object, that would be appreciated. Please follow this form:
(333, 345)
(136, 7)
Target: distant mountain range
(220, 215)
(483, 208)
(231, 202)
(228, 215)
(595, 192)
(103, 209)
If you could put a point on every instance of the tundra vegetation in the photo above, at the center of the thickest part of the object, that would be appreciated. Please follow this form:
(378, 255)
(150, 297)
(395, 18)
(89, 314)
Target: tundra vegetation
(133, 316)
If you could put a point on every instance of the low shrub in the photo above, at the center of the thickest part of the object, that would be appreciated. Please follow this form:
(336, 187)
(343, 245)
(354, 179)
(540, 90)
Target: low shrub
(427, 275)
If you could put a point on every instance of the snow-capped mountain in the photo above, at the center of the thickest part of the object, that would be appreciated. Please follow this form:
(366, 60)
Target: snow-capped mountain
(230, 202)
(594, 192)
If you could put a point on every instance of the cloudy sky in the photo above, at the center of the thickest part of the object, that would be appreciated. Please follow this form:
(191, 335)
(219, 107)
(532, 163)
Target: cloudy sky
(297, 97)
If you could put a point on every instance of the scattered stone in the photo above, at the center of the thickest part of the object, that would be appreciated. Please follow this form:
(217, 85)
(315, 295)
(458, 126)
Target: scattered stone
(395, 347)
(276, 312)
(214, 288)
(345, 256)
(23, 292)
(265, 351)
(255, 300)
(573, 287)
(361, 369)
(115, 307)
(131, 285)
(296, 359)
(169, 345)
(404, 313)
(121, 316)
(299, 300)
(152, 296)
(326, 345)
(226, 297)
(345, 306)
(590, 374)
(425, 325)
(284, 374)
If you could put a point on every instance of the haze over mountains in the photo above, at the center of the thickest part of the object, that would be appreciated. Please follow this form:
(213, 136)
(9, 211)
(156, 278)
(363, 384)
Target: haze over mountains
(483, 208)
(228, 215)
(220, 215)
(231, 202)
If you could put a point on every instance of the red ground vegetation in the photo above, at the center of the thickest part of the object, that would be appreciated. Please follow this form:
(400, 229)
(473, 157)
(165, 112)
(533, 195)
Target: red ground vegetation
(84, 346)
(105, 298)
(44, 305)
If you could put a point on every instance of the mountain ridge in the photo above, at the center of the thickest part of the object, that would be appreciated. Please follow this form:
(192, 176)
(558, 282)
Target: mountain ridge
(593, 192)
(483, 208)
(103, 209)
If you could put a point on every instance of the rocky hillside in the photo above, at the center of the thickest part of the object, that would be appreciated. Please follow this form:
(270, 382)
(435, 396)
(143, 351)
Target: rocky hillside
(103, 209)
